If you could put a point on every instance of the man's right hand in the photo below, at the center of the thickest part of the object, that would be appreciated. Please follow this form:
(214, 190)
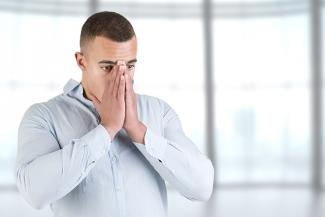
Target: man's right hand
(112, 106)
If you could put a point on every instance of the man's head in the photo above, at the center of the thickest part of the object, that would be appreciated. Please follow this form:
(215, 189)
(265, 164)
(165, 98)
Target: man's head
(106, 37)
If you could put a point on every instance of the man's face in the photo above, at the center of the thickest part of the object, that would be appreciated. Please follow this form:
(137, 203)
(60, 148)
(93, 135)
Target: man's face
(97, 63)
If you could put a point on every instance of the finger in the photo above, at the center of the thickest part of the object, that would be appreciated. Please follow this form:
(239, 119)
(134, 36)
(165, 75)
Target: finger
(128, 96)
(121, 90)
(117, 81)
(112, 79)
(129, 87)
(126, 83)
(131, 83)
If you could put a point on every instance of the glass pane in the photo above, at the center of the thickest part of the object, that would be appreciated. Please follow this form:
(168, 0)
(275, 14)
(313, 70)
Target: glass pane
(263, 135)
(261, 51)
(262, 99)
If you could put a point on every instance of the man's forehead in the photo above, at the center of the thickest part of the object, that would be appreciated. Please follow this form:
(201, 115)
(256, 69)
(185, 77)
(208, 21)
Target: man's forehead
(108, 51)
(106, 42)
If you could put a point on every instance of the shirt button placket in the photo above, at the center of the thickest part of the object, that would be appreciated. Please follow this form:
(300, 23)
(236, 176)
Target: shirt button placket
(118, 184)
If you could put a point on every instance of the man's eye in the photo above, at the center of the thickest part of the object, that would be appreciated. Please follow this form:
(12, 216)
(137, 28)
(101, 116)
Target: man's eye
(131, 67)
(107, 68)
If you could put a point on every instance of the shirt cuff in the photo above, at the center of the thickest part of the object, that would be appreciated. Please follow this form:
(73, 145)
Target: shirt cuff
(155, 145)
(98, 141)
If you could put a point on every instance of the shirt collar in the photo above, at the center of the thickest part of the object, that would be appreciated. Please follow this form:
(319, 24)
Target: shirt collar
(74, 89)
(70, 85)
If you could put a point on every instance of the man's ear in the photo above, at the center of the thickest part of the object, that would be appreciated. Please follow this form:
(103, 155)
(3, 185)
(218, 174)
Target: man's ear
(81, 61)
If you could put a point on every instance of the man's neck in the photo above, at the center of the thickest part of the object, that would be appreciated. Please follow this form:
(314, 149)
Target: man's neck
(84, 92)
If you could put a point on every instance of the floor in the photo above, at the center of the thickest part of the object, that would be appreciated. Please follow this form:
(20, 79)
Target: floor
(227, 202)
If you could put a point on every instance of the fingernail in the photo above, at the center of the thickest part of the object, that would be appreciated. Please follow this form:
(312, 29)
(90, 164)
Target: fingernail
(120, 62)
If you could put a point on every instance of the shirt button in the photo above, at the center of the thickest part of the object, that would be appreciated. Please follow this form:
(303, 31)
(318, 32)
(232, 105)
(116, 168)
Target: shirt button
(114, 159)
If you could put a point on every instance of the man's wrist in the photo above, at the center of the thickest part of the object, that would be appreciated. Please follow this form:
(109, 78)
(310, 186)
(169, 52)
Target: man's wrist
(110, 131)
(137, 133)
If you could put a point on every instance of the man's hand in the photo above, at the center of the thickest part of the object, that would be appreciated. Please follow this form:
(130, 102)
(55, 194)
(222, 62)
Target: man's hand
(112, 106)
(135, 128)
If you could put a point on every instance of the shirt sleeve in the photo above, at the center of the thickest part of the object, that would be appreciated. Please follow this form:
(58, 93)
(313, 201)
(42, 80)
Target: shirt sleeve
(44, 171)
(177, 159)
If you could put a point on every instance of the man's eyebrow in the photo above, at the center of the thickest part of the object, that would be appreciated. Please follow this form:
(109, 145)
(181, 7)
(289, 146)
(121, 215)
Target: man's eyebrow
(115, 62)
(132, 61)
(107, 62)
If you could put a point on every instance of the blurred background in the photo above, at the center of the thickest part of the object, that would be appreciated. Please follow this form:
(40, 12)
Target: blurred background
(245, 77)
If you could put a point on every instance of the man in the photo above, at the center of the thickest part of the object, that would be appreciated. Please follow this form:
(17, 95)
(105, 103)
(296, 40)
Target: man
(100, 149)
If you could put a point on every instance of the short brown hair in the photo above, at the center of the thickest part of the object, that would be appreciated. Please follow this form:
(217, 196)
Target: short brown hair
(107, 24)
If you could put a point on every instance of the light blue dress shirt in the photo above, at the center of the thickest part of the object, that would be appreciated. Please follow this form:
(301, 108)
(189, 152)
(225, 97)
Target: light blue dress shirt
(67, 160)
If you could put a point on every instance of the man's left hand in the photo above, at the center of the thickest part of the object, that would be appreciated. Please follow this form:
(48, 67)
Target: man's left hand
(133, 126)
